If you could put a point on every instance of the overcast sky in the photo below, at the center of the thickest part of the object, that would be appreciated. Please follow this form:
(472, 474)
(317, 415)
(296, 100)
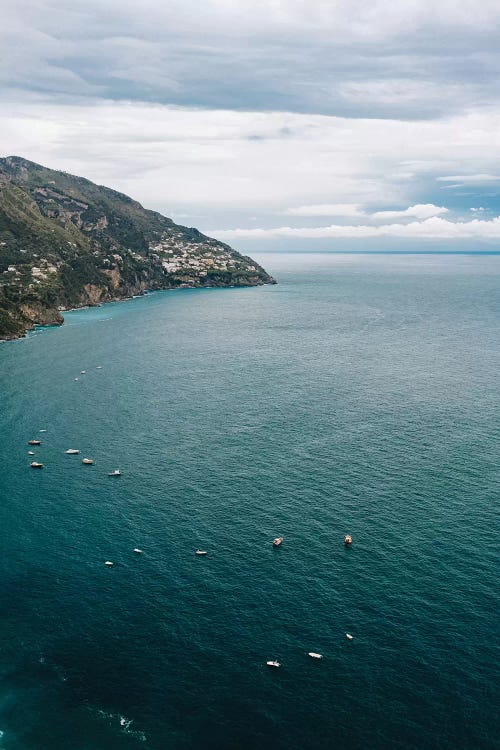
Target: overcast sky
(269, 124)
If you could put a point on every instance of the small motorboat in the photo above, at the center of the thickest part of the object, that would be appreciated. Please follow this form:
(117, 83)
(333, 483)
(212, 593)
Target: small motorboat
(31, 453)
(72, 452)
(201, 552)
(273, 663)
(82, 372)
(277, 541)
(75, 379)
(114, 473)
(87, 461)
(347, 540)
(349, 636)
(314, 655)
(36, 465)
(42, 430)
(99, 367)
(34, 442)
(137, 551)
(109, 564)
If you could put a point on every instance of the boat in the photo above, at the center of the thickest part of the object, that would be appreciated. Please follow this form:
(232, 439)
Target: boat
(43, 430)
(31, 453)
(277, 541)
(273, 663)
(109, 564)
(314, 655)
(36, 465)
(87, 461)
(114, 473)
(82, 372)
(138, 551)
(34, 442)
(347, 540)
(99, 367)
(349, 636)
(75, 379)
(72, 452)
(200, 552)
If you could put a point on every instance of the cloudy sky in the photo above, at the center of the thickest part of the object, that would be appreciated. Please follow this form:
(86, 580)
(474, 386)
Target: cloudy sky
(318, 124)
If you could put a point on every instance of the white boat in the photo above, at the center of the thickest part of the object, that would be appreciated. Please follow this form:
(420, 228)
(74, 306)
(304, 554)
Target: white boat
(72, 452)
(273, 663)
(277, 541)
(36, 465)
(31, 453)
(200, 552)
(75, 379)
(88, 461)
(314, 655)
(349, 636)
(99, 367)
(43, 430)
(82, 372)
(109, 564)
(34, 442)
(114, 473)
(138, 551)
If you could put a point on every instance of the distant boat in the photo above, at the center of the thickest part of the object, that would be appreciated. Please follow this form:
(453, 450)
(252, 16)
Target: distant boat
(114, 473)
(82, 372)
(36, 465)
(43, 430)
(72, 452)
(201, 552)
(31, 453)
(273, 663)
(34, 442)
(109, 563)
(99, 367)
(314, 655)
(349, 636)
(75, 379)
(277, 541)
(347, 540)
(88, 461)
(138, 551)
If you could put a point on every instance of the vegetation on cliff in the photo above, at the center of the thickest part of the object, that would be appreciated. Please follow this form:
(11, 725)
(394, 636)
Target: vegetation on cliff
(67, 242)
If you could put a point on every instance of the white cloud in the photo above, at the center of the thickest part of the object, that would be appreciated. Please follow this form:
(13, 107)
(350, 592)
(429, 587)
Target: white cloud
(434, 228)
(419, 211)
(327, 209)
(470, 179)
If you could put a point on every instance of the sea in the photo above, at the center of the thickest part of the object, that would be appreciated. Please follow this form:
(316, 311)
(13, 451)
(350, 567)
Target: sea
(361, 396)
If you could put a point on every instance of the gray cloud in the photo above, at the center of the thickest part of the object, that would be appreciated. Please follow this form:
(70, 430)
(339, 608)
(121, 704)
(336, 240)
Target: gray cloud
(414, 59)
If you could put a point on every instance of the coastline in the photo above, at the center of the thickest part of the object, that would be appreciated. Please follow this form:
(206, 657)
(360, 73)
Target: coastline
(140, 294)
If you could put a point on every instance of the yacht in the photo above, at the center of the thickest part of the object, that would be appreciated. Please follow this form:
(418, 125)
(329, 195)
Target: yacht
(36, 465)
(72, 452)
(277, 541)
(88, 461)
(347, 540)
(314, 655)
(138, 551)
(200, 552)
(31, 453)
(114, 473)
(34, 442)
(109, 564)
(348, 636)
(273, 663)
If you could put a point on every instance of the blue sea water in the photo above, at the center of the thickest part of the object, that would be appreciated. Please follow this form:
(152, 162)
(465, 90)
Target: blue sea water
(360, 395)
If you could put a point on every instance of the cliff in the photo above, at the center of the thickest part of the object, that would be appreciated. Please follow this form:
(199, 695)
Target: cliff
(66, 242)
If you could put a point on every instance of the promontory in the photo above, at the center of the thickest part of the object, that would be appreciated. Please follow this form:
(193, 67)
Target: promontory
(66, 242)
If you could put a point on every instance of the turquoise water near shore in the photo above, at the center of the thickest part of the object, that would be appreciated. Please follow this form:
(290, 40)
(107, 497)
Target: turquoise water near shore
(361, 395)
